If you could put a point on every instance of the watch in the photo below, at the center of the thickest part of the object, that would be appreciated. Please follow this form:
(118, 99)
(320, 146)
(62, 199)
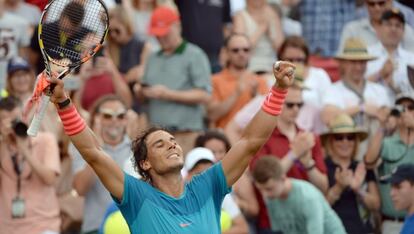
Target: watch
(63, 104)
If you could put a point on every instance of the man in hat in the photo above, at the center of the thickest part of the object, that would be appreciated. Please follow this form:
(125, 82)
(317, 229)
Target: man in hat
(390, 67)
(402, 189)
(367, 28)
(177, 80)
(386, 153)
(363, 100)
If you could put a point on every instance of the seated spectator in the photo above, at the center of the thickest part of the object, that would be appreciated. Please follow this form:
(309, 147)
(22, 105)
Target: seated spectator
(353, 191)
(390, 67)
(29, 168)
(365, 101)
(108, 120)
(234, 86)
(176, 80)
(197, 161)
(294, 206)
(402, 189)
(387, 153)
(263, 27)
(367, 28)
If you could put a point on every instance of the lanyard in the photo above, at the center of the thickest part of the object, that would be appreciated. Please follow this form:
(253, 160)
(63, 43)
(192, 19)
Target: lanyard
(18, 168)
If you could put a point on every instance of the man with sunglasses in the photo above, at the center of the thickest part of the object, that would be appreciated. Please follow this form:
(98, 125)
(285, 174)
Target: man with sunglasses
(109, 123)
(367, 28)
(387, 153)
(234, 86)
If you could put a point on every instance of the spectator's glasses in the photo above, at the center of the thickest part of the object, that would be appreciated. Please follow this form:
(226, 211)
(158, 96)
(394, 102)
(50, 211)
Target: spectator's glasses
(108, 114)
(296, 60)
(410, 107)
(378, 3)
(237, 50)
(341, 137)
(290, 105)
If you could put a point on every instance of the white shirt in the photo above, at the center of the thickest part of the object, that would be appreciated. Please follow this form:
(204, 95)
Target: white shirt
(230, 206)
(316, 83)
(402, 58)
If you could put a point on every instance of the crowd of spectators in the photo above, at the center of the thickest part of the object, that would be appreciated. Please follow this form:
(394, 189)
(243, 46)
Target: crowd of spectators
(339, 161)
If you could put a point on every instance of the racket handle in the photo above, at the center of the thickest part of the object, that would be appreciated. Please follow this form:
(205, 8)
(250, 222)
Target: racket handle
(37, 119)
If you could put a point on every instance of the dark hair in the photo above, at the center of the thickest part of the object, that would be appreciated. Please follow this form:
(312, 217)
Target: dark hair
(295, 42)
(9, 103)
(267, 167)
(75, 12)
(140, 151)
(202, 139)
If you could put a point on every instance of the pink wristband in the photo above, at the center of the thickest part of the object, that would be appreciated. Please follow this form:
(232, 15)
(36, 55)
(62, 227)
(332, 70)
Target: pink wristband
(72, 122)
(274, 101)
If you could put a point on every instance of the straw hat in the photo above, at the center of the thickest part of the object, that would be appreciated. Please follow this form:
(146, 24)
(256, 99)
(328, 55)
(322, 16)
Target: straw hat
(354, 49)
(343, 124)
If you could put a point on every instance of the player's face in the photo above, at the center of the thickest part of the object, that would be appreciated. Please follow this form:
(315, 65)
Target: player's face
(113, 121)
(343, 144)
(239, 52)
(217, 147)
(292, 105)
(402, 195)
(164, 155)
(272, 189)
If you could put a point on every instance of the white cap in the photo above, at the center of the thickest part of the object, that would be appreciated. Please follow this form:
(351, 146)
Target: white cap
(197, 154)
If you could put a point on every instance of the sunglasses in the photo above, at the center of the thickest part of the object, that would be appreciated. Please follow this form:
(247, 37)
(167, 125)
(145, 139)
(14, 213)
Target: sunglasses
(290, 105)
(341, 137)
(237, 50)
(110, 114)
(410, 107)
(295, 60)
(378, 3)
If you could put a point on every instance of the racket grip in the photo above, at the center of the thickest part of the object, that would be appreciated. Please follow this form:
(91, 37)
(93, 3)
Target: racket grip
(37, 119)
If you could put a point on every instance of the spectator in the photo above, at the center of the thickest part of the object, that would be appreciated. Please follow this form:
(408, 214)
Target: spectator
(207, 34)
(20, 79)
(365, 101)
(390, 68)
(29, 168)
(234, 86)
(290, 27)
(177, 102)
(108, 119)
(125, 49)
(294, 206)
(199, 160)
(393, 151)
(214, 140)
(402, 182)
(367, 28)
(14, 38)
(24, 10)
(353, 191)
(263, 27)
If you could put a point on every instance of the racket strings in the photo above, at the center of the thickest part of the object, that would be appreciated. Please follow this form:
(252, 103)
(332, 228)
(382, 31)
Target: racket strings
(73, 29)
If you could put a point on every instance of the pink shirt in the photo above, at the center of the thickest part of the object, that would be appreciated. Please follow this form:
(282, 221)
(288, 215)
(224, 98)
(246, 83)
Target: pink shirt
(42, 209)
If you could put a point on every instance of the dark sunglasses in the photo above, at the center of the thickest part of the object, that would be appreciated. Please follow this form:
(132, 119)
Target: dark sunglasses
(237, 50)
(290, 105)
(341, 137)
(378, 3)
(109, 114)
(295, 60)
(410, 107)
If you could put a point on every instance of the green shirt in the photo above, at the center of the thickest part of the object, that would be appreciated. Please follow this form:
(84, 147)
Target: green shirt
(187, 68)
(305, 211)
(393, 153)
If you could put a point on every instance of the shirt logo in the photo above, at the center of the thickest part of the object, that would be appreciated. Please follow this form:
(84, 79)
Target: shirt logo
(183, 225)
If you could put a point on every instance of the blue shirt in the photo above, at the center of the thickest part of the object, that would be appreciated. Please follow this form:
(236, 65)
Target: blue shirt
(197, 210)
(408, 227)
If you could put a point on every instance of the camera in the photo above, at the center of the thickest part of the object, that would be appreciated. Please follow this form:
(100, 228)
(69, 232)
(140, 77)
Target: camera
(19, 128)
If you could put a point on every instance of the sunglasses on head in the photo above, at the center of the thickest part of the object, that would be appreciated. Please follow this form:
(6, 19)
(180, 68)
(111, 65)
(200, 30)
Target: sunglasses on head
(290, 105)
(374, 3)
(341, 137)
(110, 114)
(237, 50)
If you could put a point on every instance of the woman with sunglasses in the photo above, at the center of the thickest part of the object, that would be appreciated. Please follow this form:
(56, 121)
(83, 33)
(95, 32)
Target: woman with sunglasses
(353, 191)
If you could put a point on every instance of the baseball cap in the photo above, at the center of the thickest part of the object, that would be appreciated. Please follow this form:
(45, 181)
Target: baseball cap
(161, 20)
(393, 13)
(16, 64)
(401, 173)
(197, 154)
(403, 96)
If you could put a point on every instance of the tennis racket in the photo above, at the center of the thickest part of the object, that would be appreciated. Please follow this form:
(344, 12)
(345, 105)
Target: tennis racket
(70, 33)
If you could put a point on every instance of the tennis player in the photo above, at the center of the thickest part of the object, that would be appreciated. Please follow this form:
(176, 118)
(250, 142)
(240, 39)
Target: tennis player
(162, 202)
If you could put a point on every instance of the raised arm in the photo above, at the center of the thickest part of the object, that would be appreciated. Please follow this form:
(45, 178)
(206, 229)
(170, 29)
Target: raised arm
(88, 146)
(260, 127)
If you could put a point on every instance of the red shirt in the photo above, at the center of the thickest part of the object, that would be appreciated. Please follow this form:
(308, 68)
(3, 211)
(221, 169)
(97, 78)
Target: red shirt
(278, 145)
(39, 3)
